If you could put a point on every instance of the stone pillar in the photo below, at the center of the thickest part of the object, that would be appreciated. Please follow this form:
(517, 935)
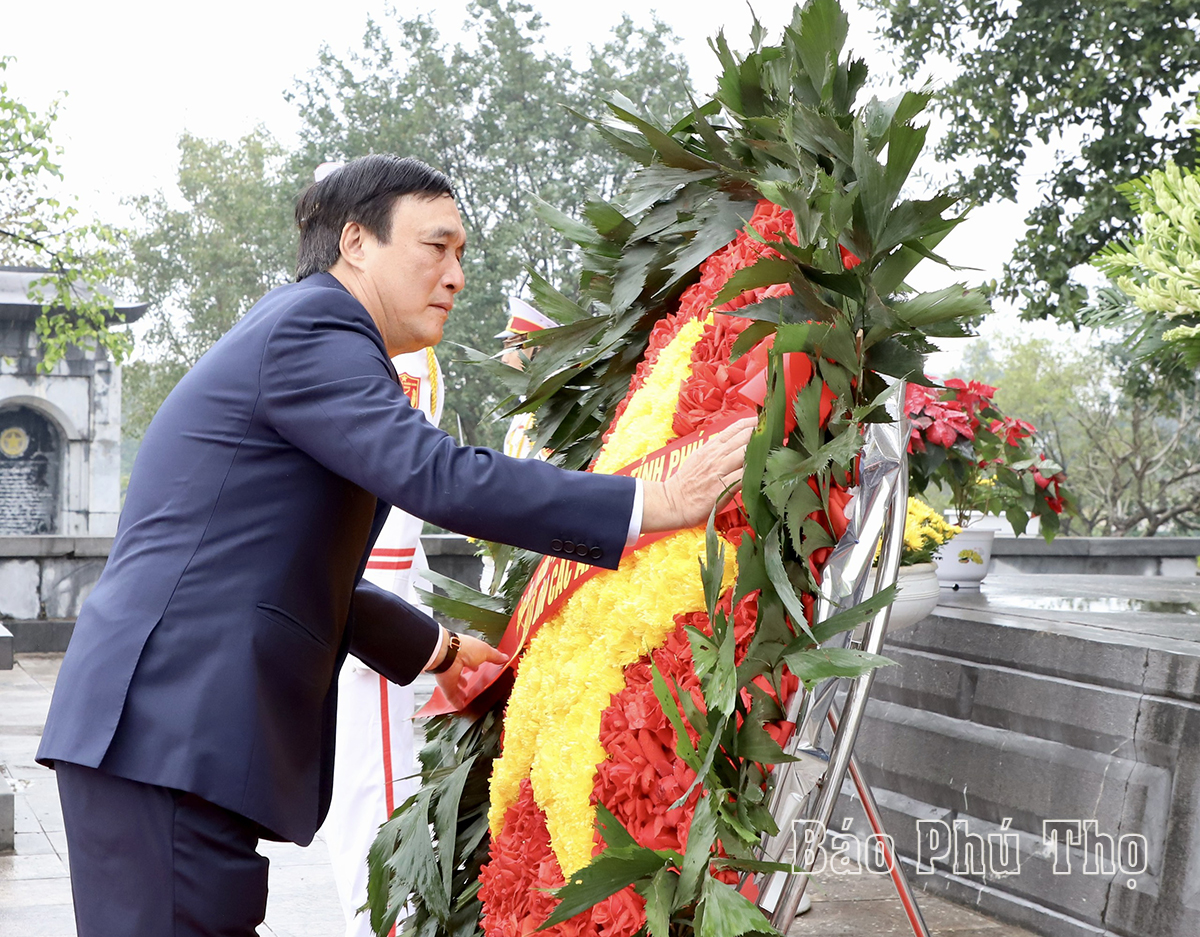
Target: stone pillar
(104, 456)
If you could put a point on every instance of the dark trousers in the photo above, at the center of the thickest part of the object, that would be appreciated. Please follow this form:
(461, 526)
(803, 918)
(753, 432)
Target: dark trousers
(149, 861)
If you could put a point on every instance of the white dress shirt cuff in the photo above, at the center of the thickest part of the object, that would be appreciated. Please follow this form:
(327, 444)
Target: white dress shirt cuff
(436, 649)
(635, 517)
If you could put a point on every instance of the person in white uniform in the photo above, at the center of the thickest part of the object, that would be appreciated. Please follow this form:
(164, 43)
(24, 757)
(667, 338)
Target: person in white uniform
(374, 767)
(518, 438)
(522, 319)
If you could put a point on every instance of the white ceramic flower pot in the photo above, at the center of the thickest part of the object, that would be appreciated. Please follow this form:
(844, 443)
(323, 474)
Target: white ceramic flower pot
(917, 595)
(965, 559)
(978, 521)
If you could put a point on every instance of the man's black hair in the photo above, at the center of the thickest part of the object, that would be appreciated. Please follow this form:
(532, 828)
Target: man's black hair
(364, 190)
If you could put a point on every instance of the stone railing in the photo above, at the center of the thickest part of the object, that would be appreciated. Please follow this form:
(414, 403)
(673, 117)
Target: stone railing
(44, 580)
(1103, 556)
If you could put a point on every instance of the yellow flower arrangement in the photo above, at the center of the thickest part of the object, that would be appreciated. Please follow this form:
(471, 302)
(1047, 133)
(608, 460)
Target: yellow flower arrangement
(576, 662)
(924, 531)
(646, 423)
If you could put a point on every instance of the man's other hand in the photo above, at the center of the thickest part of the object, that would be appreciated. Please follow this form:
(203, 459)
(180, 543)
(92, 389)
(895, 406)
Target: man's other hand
(472, 653)
(712, 472)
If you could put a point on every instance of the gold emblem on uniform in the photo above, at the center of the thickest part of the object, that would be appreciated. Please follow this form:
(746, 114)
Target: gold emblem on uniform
(13, 442)
(412, 387)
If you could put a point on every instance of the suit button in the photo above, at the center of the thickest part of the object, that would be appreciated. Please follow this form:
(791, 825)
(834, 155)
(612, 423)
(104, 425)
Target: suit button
(596, 553)
(556, 546)
(568, 546)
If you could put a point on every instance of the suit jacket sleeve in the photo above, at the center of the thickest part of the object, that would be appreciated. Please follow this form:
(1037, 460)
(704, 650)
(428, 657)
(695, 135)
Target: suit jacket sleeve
(381, 624)
(329, 389)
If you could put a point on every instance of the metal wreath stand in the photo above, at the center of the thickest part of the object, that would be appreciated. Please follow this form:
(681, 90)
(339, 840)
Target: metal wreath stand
(806, 790)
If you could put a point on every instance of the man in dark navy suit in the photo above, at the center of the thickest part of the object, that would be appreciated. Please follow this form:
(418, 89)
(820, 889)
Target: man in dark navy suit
(194, 712)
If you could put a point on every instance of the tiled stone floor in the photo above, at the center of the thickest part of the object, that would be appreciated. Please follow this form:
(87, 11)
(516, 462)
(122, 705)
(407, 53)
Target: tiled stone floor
(862, 905)
(35, 891)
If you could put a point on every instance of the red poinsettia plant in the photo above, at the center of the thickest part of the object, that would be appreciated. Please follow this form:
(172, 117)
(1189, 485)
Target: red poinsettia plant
(988, 462)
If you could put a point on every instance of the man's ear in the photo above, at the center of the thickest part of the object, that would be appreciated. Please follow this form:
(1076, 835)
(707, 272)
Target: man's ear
(351, 244)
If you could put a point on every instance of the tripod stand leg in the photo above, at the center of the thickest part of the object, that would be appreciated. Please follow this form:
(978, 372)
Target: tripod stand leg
(903, 889)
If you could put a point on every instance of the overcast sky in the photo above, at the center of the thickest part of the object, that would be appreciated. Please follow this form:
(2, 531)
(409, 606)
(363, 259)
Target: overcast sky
(137, 74)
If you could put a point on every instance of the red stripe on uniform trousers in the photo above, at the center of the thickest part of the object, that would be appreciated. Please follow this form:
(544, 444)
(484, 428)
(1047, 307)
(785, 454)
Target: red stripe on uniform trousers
(389, 564)
(385, 722)
(388, 551)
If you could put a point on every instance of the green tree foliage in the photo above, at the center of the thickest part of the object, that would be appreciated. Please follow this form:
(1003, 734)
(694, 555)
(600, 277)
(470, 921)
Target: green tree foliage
(1131, 454)
(38, 228)
(502, 116)
(1157, 274)
(1094, 71)
(202, 260)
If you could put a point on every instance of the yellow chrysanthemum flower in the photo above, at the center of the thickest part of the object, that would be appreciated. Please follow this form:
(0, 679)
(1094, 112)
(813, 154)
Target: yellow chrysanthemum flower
(646, 423)
(925, 528)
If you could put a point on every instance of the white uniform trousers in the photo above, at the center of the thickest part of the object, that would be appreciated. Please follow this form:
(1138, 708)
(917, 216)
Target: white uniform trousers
(372, 776)
(374, 766)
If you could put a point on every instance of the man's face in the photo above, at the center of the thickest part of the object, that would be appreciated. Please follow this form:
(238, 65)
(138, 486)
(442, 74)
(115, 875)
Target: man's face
(414, 277)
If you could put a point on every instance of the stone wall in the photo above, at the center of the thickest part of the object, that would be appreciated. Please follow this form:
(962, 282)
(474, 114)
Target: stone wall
(1097, 556)
(454, 556)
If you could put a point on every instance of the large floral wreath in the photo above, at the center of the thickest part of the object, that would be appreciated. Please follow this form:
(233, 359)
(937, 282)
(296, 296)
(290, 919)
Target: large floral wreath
(584, 725)
(756, 262)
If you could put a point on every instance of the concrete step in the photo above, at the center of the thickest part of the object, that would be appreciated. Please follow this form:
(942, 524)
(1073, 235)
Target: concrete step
(1044, 702)
(6, 649)
(39, 635)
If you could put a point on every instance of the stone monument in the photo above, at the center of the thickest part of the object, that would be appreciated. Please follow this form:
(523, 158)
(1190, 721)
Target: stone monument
(60, 462)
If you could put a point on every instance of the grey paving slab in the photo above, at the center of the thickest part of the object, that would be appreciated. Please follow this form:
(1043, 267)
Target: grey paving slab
(41, 668)
(36, 892)
(303, 902)
(44, 801)
(24, 768)
(33, 844)
(859, 887)
(286, 855)
(25, 820)
(844, 905)
(18, 868)
(40, 921)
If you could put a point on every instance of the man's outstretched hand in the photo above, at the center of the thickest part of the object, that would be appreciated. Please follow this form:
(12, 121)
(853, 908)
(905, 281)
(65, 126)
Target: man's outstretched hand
(712, 472)
(472, 653)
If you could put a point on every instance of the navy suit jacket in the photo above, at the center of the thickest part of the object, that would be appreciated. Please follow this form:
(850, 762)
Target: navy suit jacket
(206, 657)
